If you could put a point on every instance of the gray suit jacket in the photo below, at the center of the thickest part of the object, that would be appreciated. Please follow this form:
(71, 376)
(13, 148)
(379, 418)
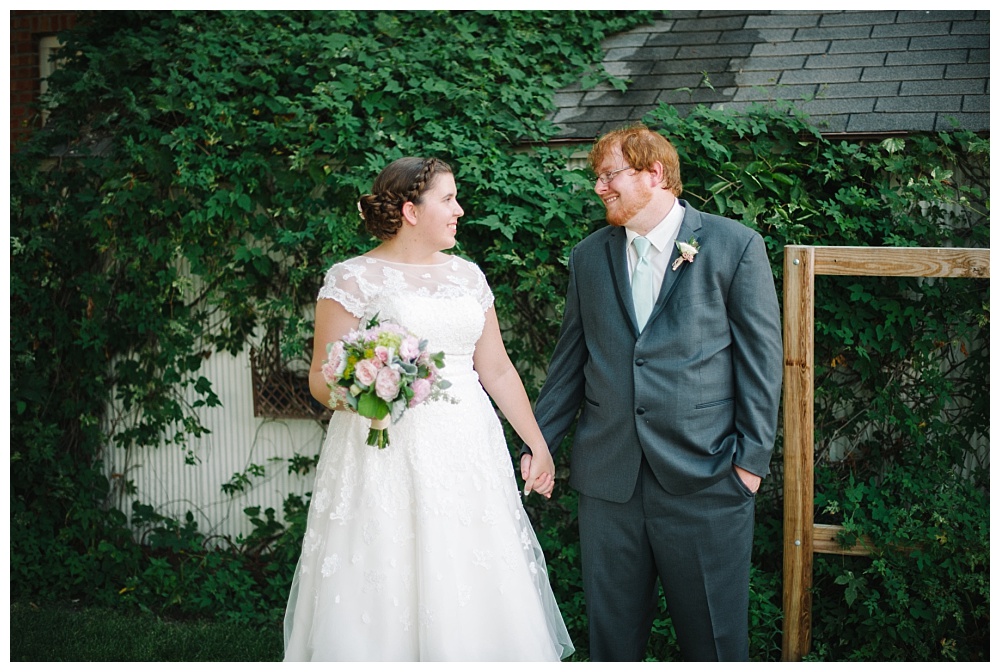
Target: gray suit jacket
(696, 392)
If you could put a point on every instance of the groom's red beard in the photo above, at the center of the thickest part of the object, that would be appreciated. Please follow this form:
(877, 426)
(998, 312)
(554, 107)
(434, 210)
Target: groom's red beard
(621, 212)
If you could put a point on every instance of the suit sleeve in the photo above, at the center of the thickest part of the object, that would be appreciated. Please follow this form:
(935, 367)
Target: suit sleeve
(758, 357)
(562, 393)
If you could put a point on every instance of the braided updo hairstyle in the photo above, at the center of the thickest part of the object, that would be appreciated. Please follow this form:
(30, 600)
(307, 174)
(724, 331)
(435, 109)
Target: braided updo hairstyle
(406, 179)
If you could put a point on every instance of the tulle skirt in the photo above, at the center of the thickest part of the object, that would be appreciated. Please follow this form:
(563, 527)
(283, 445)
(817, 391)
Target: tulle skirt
(422, 550)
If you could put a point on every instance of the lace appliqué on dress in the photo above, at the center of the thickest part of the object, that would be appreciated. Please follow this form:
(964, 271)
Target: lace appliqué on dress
(358, 282)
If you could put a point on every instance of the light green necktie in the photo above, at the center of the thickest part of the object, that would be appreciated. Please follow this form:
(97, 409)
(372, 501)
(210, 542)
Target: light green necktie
(642, 282)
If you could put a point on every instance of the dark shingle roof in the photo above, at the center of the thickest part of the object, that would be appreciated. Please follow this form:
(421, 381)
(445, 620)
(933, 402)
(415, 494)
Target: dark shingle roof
(852, 72)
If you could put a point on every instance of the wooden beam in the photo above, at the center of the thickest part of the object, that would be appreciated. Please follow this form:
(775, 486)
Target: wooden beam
(914, 262)
(825, 541)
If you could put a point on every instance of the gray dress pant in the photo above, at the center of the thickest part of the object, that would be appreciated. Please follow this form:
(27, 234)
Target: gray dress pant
(698, 545)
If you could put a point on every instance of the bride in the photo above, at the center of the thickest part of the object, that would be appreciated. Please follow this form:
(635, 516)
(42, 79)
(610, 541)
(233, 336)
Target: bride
(422, 550)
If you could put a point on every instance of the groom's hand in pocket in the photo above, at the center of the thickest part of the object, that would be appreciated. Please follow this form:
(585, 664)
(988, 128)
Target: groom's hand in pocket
(752, 481)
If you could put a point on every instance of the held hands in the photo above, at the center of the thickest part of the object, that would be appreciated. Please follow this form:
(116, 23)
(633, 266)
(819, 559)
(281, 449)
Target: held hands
(539, 472)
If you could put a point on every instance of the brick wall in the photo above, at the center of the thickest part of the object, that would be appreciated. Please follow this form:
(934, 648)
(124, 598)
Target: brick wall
(27, 27)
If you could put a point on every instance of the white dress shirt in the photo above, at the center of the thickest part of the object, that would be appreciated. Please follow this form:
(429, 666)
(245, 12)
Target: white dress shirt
(661, 239)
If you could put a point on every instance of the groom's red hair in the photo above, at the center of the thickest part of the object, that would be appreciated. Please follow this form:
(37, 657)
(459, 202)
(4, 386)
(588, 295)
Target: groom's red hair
(641, 148)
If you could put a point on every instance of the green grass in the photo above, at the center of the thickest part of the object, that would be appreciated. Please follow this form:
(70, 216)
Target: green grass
(67, 633)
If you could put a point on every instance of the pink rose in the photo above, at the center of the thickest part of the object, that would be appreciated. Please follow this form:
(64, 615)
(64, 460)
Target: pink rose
(387, 383)
(409, 349)
(421, 390)
(365, 372)
(335, 358)
(382, 353)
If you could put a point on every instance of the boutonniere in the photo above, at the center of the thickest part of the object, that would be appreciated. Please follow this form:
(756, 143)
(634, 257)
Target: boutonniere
(687, 251)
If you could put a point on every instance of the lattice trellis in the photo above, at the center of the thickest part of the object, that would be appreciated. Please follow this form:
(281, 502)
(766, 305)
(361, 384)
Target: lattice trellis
(278, 391)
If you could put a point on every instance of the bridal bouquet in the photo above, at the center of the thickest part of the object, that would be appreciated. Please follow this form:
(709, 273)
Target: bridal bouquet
(380, 371)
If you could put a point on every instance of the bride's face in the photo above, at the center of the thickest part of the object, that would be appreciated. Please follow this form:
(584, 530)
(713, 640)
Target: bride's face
(438, 212)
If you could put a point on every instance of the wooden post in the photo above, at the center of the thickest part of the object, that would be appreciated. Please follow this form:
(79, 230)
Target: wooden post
(799, 301)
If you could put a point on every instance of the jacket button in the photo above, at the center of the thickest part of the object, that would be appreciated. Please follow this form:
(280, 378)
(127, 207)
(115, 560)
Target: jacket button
(640, 411)
(640, 361)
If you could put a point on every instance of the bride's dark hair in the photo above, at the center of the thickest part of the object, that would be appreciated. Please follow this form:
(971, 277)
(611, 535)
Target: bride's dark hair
(403, 180)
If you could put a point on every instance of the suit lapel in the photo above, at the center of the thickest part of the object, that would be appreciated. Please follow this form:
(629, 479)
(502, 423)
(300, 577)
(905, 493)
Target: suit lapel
(689, 229)
(618, 263)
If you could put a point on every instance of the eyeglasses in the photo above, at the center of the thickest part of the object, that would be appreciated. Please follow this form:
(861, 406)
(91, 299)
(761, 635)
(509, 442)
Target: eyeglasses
(610, 175)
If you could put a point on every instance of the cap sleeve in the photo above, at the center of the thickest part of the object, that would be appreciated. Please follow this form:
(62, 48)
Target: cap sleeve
(482, 288)
(343, 283)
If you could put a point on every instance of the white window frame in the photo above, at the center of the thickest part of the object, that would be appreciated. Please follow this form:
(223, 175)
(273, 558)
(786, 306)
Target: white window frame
(46, 66)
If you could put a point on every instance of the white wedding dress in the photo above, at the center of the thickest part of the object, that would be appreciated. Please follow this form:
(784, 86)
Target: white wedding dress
(421, 550)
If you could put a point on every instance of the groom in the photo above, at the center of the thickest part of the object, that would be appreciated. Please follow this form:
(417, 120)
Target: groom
(670, 350)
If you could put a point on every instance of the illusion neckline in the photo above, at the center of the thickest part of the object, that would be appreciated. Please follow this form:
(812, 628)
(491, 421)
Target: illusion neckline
(447, 261)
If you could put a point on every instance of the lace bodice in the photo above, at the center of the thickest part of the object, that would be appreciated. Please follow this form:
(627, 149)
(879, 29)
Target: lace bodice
(443, 303)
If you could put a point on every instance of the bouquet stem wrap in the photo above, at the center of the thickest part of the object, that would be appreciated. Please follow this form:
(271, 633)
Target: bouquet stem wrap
(378, 434)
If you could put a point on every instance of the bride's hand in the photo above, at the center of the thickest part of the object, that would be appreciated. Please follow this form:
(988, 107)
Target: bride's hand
(539, 473)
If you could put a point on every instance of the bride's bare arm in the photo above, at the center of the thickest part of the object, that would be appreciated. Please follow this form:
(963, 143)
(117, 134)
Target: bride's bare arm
(333, 322)
(502, 382)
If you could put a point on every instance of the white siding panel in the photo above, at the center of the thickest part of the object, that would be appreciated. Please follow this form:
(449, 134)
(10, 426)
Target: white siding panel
(236, 440)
